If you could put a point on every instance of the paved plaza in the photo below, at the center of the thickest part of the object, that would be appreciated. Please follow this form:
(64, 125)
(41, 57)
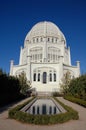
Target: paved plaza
(10, 124)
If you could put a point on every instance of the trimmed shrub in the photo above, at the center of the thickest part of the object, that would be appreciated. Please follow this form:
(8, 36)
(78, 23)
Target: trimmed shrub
(15, 113)
(57, 94)
(76, 100)
(12, 112)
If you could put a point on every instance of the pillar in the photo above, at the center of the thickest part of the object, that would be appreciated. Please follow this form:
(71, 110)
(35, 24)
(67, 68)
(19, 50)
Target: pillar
(69, 56)
(28, 68)
(78, 67)
(20, 60)
(11, 67)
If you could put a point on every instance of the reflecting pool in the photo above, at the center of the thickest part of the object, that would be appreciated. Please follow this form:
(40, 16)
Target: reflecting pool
(43, 106)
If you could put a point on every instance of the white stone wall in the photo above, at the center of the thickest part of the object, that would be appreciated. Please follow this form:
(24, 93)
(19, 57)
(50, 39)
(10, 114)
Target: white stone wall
(49, 86)
(45, 40)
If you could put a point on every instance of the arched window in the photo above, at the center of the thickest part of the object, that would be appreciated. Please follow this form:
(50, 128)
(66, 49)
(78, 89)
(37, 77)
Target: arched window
(34, 77)
(50, 110)
(52, 39)
(41, 39)
(37, 39)
(44, 77)
(38, 76)
(54, 77)
(56, 39)
(35, 56)
(33, 110)
(54, 110)
(37, 109)
(44, 109)
(48, 39)
(50, 77)
(33, 40)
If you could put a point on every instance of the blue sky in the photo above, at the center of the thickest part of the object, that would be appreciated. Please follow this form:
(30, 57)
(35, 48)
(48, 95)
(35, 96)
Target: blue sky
(17, 17)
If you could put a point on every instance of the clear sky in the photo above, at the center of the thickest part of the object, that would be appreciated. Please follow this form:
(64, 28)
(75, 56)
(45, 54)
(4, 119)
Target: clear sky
(17, 17)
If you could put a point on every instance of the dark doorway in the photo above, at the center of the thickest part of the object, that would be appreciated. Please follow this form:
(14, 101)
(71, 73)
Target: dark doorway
(44, 109)
(44, 77)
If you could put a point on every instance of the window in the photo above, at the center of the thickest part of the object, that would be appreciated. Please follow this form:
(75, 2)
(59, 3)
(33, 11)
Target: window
(53, 57)
(50, 110)
(52, 39)
(37, 39)
(54, 77)
(33, 110)
(49, 56)
(33, 57)
(48, 39)
(50, 77)
(44, 77)
(40, 56)
(34, 77)
(36, 54)
(33, 40)
(44, 109)
(41, 39)
(38, 76)
(54, 110)
(37, 109)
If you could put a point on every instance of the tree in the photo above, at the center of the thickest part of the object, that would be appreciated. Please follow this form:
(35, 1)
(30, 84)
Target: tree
(9, 88)
(77, 87)
(1, 72)
(65, 82)
(24, 84)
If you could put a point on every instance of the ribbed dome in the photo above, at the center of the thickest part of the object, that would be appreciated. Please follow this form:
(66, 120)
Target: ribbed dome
(45, 29)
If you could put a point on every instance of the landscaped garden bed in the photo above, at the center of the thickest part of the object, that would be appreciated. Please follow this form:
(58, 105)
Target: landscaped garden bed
(15, 113)
(76, 100)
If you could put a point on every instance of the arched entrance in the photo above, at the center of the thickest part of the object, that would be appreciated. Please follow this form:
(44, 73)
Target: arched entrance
(44, 77)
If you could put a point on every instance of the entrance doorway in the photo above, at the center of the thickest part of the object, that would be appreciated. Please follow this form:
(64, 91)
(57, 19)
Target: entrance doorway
(44, 77)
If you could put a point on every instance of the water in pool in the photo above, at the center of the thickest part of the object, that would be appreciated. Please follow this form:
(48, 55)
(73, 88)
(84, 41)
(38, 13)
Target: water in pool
(43, 107)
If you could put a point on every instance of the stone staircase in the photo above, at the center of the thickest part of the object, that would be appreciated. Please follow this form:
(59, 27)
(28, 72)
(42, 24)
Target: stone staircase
(44, 94)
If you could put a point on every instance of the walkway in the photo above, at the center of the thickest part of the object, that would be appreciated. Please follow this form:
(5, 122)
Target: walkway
(10, 124)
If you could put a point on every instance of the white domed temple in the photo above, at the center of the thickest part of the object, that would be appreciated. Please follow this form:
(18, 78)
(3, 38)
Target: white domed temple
(45, 58)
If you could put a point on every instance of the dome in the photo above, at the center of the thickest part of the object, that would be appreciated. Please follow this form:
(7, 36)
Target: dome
(45, 29)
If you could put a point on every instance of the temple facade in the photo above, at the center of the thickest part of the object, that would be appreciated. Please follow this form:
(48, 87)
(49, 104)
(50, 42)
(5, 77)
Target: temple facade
(45, 58)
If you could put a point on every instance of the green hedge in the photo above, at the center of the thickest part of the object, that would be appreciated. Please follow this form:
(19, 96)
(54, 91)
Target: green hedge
(12, 112)
(57, 94)
(76, 100)
(73, 114)
(15, 113)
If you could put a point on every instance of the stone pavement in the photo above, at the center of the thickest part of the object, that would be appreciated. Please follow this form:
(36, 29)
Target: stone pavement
(10, 124)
